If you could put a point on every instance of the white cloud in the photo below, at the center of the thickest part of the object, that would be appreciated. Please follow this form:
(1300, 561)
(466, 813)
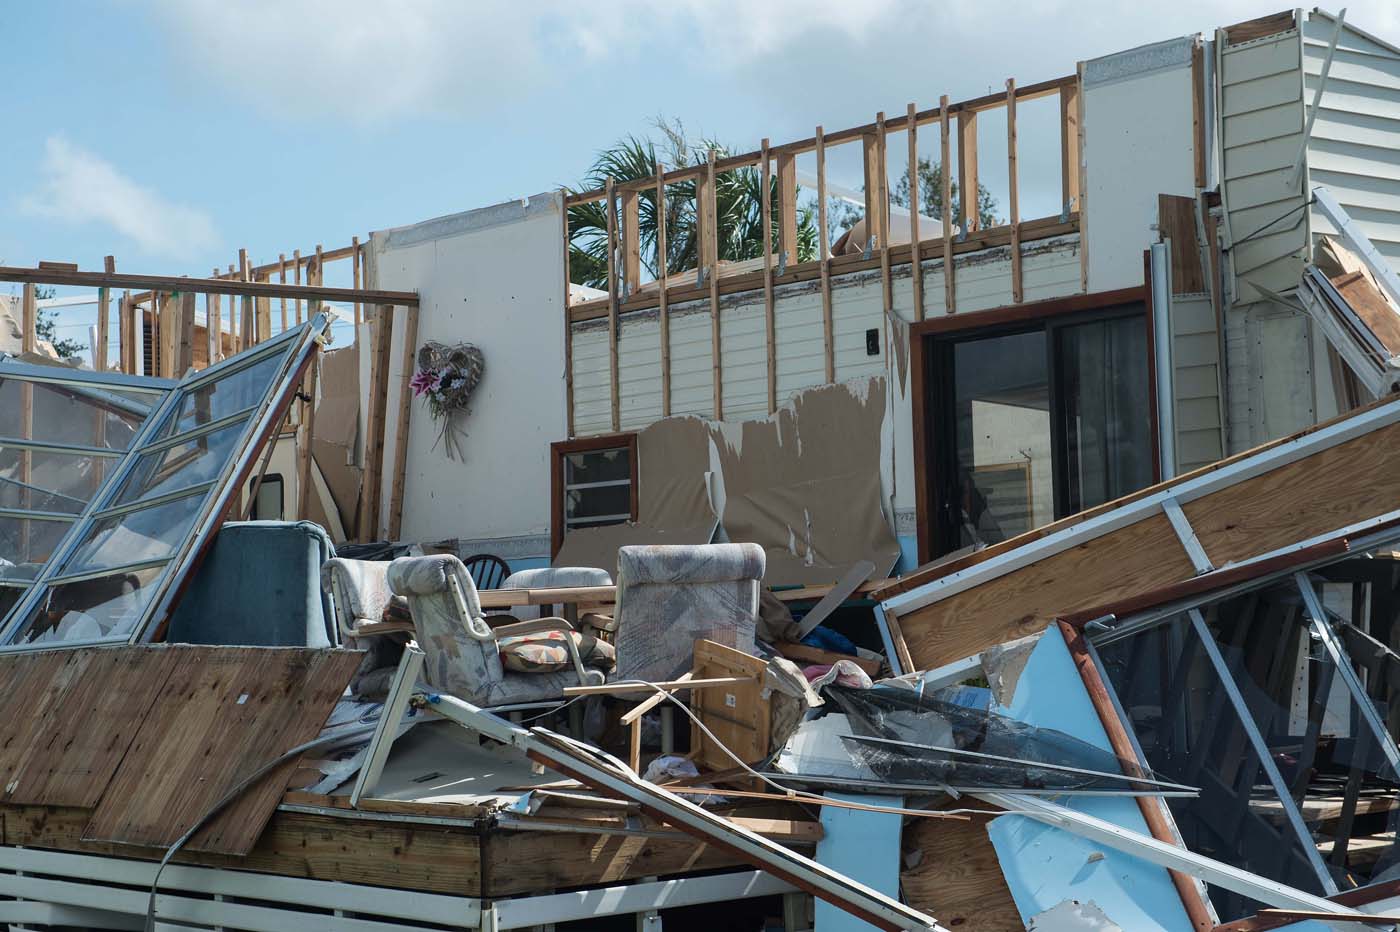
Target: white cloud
(79, 187)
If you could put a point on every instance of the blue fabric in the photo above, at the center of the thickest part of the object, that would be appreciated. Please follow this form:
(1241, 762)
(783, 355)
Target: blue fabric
(827, 639)
(259, 585)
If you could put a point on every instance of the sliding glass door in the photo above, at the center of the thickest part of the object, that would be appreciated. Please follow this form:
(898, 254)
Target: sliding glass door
(1035, 421)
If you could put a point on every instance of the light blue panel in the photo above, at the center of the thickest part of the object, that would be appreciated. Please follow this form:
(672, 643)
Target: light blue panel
(908, 554)
(865, 847)
(1045, 865)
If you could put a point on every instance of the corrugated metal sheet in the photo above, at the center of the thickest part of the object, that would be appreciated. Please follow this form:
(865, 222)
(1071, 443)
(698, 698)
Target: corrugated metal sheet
(1354, 149)
(1261, 134)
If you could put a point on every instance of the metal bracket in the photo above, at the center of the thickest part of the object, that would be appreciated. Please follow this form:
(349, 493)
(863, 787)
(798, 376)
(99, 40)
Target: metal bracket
(869, 248)
(1067, 209)
(782, 262)
(1187, 535)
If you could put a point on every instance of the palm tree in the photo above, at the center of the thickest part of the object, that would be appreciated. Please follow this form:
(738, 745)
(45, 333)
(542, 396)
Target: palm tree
(738, 207)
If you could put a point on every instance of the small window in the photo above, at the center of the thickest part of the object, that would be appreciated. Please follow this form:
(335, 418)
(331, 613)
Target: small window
(595, 483)
(268, 505)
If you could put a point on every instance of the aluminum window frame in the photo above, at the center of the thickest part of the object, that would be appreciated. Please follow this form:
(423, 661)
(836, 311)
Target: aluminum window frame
(297, 346)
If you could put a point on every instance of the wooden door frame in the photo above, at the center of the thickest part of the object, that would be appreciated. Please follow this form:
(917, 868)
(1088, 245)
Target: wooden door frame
(920, 365)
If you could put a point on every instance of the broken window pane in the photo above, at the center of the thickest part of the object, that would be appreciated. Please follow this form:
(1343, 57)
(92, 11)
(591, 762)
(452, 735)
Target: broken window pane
(134, 537)
(91, 609)
(1318, 745)
(28, 541)
(191, 462)
(45, 480)
(225, 395)
(903, 736)
(597, 487)
(72, 414)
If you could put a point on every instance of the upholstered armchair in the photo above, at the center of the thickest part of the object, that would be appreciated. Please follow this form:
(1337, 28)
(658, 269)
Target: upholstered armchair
(668, 596)
(359, 591)
(461, 654)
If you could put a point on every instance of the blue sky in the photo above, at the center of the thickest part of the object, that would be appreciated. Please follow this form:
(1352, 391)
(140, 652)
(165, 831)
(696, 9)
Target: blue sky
(169, 134)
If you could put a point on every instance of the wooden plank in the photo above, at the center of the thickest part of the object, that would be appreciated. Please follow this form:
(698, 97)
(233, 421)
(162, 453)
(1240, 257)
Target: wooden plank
(950, 294)
(737, 715)
(710, 209)
(123, 334)
(614, 388)
(787, 208)
(357, 275)
(296, 280)
(529, 862)
(1252, 29)
(374, 431)
(687, 682)
(663, 309)
(1176, 221)
(99, 358)
(1069, 146)
(1017, 293)
(568, 327)
(1083, 186)
(221, 714)
(184, 356)
(28, 320)
(407, 856)
(770, 328)
(308, 432)
(1198, 119)
(315, 275)
(824, 257)
(631, 241)
(957, 877)
(915, 205)
(968, 182)
(201, 285)
(407, 365)
(282, 280)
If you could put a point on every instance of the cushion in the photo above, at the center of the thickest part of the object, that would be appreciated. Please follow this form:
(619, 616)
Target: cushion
(679, 563)
(396, 610)
(545, 652)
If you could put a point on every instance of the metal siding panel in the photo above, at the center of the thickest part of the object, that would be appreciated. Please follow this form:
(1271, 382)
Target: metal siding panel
(743, 361)
(639, 371)
(1285, 119)
(1259, 94)
(692, 375)
(1257, 60)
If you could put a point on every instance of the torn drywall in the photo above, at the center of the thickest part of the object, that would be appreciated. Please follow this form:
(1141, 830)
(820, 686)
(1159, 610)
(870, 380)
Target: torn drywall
(804, 483)
(334, 444)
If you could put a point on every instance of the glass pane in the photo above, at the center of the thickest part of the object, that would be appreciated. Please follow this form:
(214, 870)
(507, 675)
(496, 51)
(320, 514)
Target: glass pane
(604, 500)
(222, 397)
(598, 466)
(196, 460)
(24, 541)
(9, 596)
(91, 609)
(1346, 792)
(105, 418)
(40, 480)
(1107, 420)
(1002, 482)
(149, 534)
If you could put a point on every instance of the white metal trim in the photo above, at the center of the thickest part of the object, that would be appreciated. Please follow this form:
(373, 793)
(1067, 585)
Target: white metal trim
(1187, 535)
(635, 898)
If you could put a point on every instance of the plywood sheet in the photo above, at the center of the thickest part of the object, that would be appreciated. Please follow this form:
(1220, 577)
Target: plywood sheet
(221, 714)
(81, 711)
(956, 876)
(1176, 221)
(1367, 301)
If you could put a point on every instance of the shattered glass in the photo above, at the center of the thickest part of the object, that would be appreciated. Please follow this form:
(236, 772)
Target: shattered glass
(945, 738)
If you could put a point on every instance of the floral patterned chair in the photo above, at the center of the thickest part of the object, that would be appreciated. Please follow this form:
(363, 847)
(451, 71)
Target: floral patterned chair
(462, 652)
(668, 596)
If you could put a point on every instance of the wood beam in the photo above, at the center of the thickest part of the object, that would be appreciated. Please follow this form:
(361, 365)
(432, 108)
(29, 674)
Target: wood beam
(374, 432)
(663, 309)
(357, 274)
(1069, 147)
(1017, 295)
(296, 280)
(614, 389)
(770, 335)
(308, 433)
(99, 352)
(29, 320)
(410, 353)
(184, 355)
(824, 256)
(631, 241)
(787, 207)
(315, 275)
(282, 280)
(968, 184)
(916, 268)
(950, 295)
(202, 286)
(712, 237)
(568, 323)
(1082, 168)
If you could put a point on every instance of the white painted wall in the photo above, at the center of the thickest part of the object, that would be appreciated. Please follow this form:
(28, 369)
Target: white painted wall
(1138, 143)
(493, 277)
